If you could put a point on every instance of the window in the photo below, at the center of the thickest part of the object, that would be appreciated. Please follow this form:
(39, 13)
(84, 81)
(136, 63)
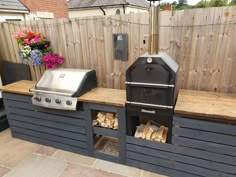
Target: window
(118, 12)
(9, 20)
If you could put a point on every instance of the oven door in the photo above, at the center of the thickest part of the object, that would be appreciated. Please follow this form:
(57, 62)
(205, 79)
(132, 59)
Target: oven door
(149, 96)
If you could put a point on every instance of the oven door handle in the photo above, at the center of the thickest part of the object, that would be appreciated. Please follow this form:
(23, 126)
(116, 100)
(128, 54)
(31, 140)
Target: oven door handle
(150, 105)
(48, 92)
(149, 84)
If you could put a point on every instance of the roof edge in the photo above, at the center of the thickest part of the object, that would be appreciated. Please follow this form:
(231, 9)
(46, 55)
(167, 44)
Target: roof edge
(109, 6)
(15, 11)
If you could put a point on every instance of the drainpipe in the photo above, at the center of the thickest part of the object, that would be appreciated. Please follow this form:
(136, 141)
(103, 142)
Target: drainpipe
(104, 13)
(123, 8)
(153, 30)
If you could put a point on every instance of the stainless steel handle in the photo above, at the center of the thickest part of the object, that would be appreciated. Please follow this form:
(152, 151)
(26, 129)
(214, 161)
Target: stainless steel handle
(49, 92)
(149, 84)
(148, 111)
(151, 105)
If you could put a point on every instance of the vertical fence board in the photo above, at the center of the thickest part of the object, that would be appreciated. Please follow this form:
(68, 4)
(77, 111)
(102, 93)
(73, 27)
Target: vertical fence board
(202, 41)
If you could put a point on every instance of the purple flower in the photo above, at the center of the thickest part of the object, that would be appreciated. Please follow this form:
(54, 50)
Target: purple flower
(21, 56)
(36, 57)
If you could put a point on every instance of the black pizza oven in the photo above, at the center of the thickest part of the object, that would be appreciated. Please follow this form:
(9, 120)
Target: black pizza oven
(151, 91)
(151, 84)
(151, 81)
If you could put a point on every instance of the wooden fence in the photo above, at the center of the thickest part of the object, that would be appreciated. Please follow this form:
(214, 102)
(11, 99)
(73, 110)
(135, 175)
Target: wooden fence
(202, 41)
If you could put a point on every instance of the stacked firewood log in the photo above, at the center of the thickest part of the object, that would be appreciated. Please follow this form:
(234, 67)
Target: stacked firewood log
(151, 132)
(107, 120)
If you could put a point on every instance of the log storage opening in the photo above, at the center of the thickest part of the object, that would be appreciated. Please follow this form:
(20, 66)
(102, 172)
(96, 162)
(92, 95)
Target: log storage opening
(106, 120)
(107, 145)
(152, 131)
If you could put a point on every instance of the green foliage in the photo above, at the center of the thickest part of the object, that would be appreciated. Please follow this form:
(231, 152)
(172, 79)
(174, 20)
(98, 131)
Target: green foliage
(212, 3)
(182, 3)
(174, 3)
(233, 2)
(218, 3)
(202, 4)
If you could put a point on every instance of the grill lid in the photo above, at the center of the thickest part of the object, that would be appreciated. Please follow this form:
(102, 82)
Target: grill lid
(64, 81)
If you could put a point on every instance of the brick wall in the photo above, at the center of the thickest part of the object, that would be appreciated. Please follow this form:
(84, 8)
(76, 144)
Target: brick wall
(58, 7)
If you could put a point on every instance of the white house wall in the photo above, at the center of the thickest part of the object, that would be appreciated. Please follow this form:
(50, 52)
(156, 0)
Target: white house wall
(135, 10)
(99, 12)
(16, 16)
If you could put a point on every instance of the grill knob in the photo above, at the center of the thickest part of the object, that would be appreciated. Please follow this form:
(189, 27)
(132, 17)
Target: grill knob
(37, 98)
(48, 100)
(58, 101)
(68, 102)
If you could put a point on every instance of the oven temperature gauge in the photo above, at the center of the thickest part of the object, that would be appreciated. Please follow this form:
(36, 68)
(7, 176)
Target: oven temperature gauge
(149, 60)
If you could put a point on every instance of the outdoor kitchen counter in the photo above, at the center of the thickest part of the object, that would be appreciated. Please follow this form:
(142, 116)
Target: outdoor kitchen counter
(206, 104)
(20, 87)
(114, 97)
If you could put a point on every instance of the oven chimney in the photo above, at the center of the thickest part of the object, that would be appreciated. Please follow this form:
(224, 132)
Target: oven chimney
(153, 44)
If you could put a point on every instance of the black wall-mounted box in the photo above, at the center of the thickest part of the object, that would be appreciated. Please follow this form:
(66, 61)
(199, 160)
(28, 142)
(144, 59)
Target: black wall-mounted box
(120, 46)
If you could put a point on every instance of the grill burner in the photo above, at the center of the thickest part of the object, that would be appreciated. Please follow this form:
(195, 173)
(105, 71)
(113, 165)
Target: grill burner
(59, 88)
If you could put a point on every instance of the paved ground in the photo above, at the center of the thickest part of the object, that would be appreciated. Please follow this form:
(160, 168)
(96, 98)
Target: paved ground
(20, 158)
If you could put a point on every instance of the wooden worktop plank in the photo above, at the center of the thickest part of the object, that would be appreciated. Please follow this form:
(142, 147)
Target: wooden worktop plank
(206, 104)
(107, 96)
(20, 87)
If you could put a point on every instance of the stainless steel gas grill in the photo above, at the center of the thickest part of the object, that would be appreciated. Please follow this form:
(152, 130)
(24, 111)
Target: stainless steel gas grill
(59, 88)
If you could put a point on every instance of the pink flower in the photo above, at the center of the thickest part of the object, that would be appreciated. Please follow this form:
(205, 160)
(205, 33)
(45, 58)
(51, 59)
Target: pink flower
(53, 65)
(53, 60)
(59, 61)
(46, 45)
(22, 34)
(36, 39)
(26, 41)
(48, 66)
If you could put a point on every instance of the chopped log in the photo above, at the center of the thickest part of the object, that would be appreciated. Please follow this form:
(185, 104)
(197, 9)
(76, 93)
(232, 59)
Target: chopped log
(106, 119)
(139, 131)
(116, 123)
(151, 132)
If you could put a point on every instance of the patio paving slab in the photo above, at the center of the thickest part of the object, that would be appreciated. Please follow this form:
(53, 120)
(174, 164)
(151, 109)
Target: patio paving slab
(83, 171)
(13, 150)
(46, 150)
(117, 168)
(38, 166)
(74, 158)
(149, 174)
(3, 171)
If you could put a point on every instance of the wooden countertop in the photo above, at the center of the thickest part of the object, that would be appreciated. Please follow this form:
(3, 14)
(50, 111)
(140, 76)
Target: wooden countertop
(206, 104)
(105, 96)
(20, 87)
(189, 102)
(113, 97)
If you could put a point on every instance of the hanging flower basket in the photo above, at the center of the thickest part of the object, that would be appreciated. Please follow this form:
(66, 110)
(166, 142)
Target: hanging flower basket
(34, 48)
(40, 46)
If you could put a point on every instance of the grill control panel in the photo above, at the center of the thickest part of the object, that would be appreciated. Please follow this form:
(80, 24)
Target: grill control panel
(54, 101)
